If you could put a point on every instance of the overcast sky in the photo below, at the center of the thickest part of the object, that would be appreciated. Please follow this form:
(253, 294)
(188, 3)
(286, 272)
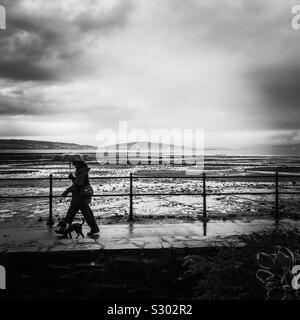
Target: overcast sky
(71, 68)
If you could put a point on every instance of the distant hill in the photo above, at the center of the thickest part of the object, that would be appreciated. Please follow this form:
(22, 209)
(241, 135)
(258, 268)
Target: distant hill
(19, 144)
(143, 145)
(40, 145)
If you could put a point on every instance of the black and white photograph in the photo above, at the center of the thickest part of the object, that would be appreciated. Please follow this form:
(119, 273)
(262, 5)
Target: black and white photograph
(149, 151)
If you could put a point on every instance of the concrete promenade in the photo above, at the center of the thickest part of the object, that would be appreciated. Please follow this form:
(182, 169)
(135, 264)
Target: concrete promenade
(130, 236)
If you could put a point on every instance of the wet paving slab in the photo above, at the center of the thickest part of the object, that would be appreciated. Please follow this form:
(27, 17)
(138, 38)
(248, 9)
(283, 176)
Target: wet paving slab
(133, 236)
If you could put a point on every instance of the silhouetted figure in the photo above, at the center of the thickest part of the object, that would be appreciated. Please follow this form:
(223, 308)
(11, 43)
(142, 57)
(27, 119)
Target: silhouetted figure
(81, 197)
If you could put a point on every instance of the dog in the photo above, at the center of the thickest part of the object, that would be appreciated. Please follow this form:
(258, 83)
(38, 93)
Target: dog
(77, 227)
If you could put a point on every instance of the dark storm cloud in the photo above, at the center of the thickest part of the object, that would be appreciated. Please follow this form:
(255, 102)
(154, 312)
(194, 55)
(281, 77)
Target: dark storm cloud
(11, 108)
(147, 60)
(260, 36)
(279, 86)
(19, 104)
(44, 45)
(23, 102)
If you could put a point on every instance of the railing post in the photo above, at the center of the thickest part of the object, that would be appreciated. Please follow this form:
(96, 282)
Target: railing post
(50, 221)
(277, 195)
(130, 218)
(204, 198)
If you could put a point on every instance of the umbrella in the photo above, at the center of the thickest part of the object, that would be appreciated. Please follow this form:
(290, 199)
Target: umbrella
(70, 157)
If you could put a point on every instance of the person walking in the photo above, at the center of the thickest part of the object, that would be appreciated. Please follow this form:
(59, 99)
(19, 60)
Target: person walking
(81, 197)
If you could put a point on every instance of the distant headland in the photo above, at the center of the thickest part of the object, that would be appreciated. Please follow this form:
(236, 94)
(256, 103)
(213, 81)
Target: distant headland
(15, 144)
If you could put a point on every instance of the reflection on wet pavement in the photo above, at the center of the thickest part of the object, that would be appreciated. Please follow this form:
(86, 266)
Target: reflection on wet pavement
(134, 236)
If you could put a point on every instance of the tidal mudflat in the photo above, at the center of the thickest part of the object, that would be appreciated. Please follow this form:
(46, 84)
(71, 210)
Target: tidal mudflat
(149, 209)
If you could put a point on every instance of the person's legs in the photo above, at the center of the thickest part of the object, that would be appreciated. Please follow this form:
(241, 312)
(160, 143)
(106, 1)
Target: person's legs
(96, 228)
(92, 214)
(73, 209)
(89, 217)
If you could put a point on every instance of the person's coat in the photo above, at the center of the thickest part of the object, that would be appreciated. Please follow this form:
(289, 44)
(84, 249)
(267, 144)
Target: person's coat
(80, 181)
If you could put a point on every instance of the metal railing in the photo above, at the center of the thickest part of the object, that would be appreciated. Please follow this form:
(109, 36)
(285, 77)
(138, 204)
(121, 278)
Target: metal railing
(131, 194)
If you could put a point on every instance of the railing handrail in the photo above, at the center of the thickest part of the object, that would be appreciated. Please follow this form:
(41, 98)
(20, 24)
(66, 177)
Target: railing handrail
(132, 194)
(271, 175)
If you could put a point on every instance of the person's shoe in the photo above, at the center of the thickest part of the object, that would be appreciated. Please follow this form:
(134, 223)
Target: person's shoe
(93, 232)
